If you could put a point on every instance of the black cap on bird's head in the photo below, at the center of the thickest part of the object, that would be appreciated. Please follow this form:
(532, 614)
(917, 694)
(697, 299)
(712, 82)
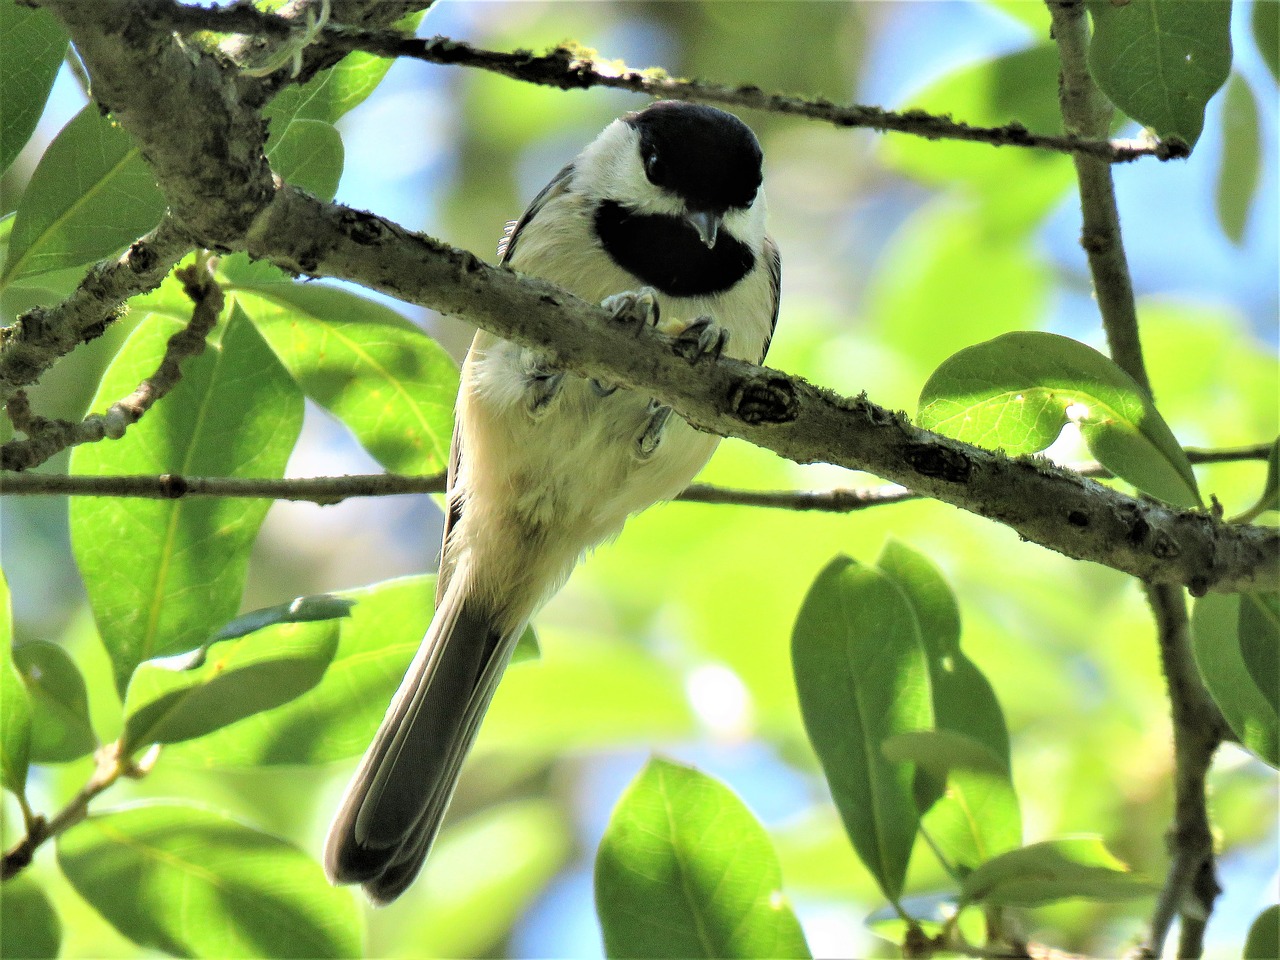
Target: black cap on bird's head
(708, 158)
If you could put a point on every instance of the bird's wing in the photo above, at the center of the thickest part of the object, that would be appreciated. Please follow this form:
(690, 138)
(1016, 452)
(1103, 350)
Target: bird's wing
(775, 288)
(558, 185)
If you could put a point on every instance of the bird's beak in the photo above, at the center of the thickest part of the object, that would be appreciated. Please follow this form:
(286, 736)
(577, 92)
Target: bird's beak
(707, 224)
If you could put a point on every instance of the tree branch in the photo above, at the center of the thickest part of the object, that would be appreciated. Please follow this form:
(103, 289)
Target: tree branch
(570, 67)
(47, 437)
(248, 211)
(1198, 726)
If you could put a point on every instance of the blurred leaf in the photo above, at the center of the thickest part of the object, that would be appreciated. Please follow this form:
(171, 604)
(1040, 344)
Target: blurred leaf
(468, 908)
(862, 677)
(390, 383)
(61, 729)
(90, 195)
(1161, 60)
(163, 575)
(241, 677)
(308, 154)
(1028, 12)
(1215, 638)
(941, 751)
(1018, 391)
(1016, 188)
(1266, 33)
(213, 887)
(330, 94)
(32, 44)
(685, 870)
(1259, 628)
(1241, 168)
(15, 705)
(1264, 936)
(1053, 870)
(29, 925)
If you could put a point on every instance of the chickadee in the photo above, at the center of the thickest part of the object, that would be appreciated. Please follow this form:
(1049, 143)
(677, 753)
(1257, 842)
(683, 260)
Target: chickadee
(662, 220)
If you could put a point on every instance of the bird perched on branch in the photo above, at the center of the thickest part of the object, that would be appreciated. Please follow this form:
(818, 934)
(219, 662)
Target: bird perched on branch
(661, 219)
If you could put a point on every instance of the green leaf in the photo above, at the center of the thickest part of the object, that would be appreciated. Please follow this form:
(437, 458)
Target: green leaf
(1241, 167)
(322, 606)
(1270, 499)
(685, 870)
(1018, 391)
(308, 154)
(1259, 630)
(32, 44)
(941, 751)
(61, 729)
(929, 594)
(391, 384)
(29, 925)
(333, 92)
(90, 195)
(1216, 642)
(213, 887)
(241, 677)
(15, 705)
(1050, 871)
(862, 677)
(1263, 942)
(1161, 60)
(163, 575)
(1266, 32)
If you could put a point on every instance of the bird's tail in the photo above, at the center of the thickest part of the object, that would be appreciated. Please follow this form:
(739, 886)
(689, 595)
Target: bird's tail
(394, 804)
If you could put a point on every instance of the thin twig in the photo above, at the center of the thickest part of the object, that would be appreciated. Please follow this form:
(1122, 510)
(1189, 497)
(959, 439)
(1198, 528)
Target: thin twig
(1198, 727)
(330, 490)
(570, 67)
(47, 437)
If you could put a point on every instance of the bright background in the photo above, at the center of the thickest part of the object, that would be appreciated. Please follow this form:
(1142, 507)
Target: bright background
(896, 253)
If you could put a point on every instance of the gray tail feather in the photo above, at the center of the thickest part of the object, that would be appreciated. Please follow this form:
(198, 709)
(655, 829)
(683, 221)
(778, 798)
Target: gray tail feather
(396, 801)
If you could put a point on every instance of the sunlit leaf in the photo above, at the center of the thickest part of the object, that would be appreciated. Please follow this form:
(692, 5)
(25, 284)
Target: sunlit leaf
(941, 751)
(308, 154)
(685, 870)
(1161, 60)
(1241, 168)
(90, 195)
(392, 385)
(61, 729)
(15, 705)
(29, 924)
(239, 678)
(862, 677)
(32, 44)
(1018, 391)
(198, 884)
(1216, 642)
(163, 575)
(1263, 942)
(1053, 870)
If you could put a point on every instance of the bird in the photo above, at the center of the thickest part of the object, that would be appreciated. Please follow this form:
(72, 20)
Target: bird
(662, 220)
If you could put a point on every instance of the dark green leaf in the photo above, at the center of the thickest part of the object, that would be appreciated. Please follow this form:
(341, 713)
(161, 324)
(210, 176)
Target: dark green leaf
(685, 870)
(61, 729)
(240, 678)
(1266, 32)
(392, 385)
(32, 44)
(163, 575)
(1161, 60)
(1018, 391)
(1053, 870)
(1259, 629)
(29, 925)
(1264, 936)
(214, 887)
(862, 677)
(309, 155)
(90, 195)
(1216, 641)
(322, 606)
(1241, 167)
(15, 705)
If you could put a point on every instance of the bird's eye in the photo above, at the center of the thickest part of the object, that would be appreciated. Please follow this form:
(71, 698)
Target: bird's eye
(654, 168)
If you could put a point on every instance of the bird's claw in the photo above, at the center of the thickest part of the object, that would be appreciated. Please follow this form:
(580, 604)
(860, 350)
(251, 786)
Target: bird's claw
(700, 337)
(634, 306)
(542, 383)
(655, 426)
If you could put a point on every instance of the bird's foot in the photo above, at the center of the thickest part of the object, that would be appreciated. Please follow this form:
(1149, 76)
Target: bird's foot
(651, 434)
(700, 337)
(542, 384)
